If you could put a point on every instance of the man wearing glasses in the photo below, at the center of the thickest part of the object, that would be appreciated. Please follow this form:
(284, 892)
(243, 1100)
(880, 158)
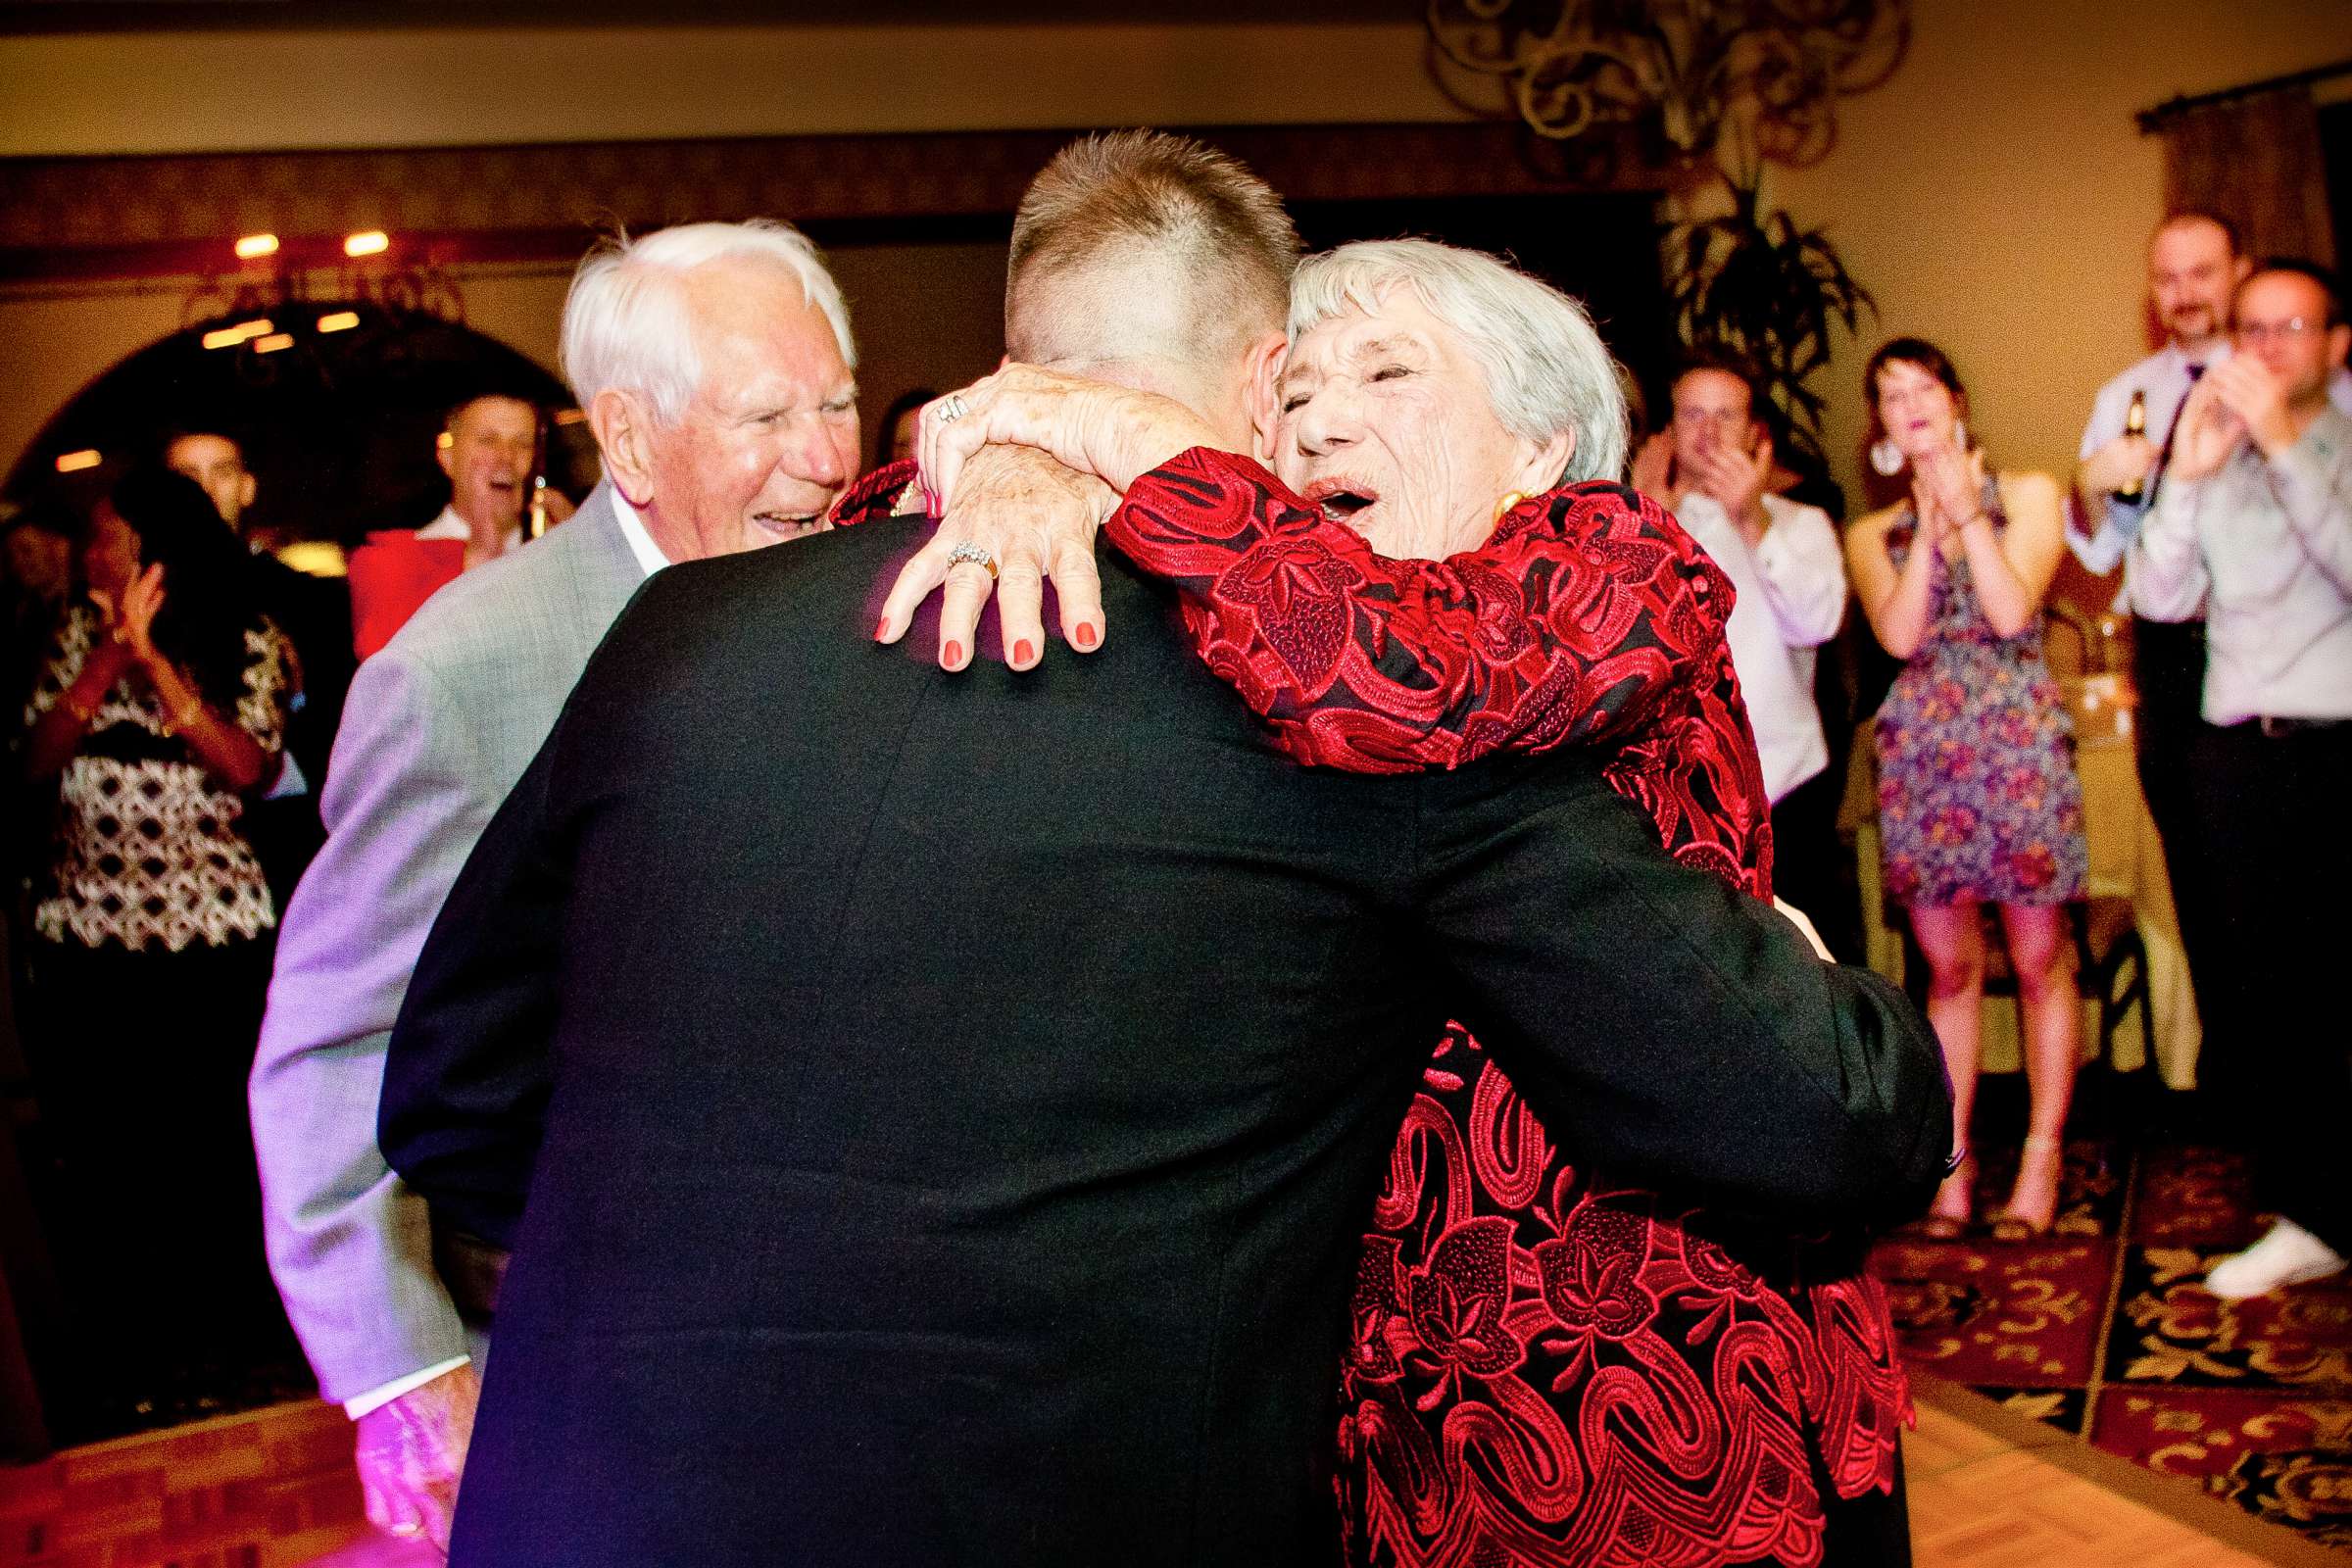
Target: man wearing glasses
(2254, 522)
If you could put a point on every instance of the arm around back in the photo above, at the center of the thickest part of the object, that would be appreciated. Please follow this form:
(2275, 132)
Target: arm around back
(1683, 1033)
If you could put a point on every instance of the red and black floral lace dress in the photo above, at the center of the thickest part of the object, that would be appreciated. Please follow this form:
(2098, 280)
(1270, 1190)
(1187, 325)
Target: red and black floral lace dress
(1543, 1367)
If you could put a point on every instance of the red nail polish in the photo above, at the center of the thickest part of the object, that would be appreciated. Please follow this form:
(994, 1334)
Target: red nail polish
(1022, 652)
(882, 629)
(1086, 634)
(952, 655)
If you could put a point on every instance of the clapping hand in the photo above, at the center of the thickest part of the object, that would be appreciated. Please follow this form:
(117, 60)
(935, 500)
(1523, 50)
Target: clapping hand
(2209, 431)
(131, 621)
(2246, 388)
(1945, 489)
(1737, 481)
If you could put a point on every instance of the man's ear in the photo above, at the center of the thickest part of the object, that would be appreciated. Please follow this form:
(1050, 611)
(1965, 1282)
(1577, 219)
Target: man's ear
(624, 436)
(245, 491)
(1261, 372)
(445, 453)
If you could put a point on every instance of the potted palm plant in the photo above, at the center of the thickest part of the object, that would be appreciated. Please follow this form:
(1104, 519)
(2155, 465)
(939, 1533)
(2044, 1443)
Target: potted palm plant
(1753, 283)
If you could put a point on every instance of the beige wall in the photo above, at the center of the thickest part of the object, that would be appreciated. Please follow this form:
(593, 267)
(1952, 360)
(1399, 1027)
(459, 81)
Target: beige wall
(245, 91)
(1996, 196)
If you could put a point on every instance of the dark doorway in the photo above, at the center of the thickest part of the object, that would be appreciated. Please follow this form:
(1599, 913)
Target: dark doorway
(337, 425)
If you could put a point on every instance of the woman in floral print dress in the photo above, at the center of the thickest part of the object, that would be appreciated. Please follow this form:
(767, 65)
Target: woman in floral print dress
(1977, 798)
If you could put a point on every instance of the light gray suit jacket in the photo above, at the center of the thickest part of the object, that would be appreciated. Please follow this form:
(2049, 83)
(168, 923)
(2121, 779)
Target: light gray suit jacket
(438, 728)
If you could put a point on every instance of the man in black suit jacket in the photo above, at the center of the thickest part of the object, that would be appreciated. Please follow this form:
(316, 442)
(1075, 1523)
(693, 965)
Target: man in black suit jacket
(946, 1103)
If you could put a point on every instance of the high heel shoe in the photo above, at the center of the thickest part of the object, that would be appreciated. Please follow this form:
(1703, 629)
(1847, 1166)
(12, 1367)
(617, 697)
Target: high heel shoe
(2018, 1221)
(1948, 1217)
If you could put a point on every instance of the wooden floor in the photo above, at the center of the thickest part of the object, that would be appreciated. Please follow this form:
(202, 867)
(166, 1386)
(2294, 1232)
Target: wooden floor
(1992, 1489)
(1989, 1489)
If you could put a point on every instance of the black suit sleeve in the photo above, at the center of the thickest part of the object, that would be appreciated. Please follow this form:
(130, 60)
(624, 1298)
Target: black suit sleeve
(471, 1065)
(1673, 1029)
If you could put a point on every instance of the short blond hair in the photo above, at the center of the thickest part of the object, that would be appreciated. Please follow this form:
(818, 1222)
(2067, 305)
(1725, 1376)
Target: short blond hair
(1202, 212)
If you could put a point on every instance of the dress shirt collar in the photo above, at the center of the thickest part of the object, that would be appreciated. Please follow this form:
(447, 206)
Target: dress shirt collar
(449, 525)
(633, 529)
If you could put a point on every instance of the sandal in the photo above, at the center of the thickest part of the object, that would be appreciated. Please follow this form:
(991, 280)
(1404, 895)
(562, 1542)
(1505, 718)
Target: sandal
(1947, 1218)
(2013, 1221)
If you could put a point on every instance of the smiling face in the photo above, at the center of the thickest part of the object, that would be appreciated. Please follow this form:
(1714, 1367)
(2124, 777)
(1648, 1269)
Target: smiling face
(2192, 270)
(769, 439)
(1384, 421)
(488, 460)
(1916, 408)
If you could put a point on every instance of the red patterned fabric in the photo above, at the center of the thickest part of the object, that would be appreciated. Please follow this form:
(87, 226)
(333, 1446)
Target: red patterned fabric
(878, 494)
(1542, 1369)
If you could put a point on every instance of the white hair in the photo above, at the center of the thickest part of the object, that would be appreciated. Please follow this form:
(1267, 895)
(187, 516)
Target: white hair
(1545, 370)
(625, 324)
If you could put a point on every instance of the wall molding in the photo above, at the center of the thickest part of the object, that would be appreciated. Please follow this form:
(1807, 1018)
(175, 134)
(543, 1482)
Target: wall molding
(147, 217)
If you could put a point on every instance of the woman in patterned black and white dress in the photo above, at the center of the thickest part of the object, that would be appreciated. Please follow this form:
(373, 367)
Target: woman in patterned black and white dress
(161, 712)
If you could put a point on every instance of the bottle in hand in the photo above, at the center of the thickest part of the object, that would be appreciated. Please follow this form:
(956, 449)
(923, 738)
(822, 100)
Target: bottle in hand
(2136, 422)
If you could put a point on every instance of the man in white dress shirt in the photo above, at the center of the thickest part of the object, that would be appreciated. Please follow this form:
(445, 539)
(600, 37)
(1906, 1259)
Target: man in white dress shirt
(2195, 263)
(1784, 560)
(486, 448)
(715, 364)
(2253, 525)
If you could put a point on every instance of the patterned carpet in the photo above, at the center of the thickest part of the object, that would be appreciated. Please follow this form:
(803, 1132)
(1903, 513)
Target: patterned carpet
(2102, 1329)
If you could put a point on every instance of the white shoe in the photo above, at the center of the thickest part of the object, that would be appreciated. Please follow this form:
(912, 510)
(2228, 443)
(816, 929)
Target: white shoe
(2289, 1255)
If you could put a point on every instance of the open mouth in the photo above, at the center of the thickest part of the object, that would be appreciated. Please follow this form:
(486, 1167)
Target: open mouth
(1341, 499)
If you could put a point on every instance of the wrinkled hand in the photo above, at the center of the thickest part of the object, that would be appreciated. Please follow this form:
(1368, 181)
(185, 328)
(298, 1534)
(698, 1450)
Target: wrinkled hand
(2116, 465)
(412, 1452)
(1113, 433)
(2208, 432)
(1038, 520)
(1653, 470)
(2246, 388)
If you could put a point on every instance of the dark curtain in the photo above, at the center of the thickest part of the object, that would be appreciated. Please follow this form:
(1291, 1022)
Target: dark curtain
(2256, 161)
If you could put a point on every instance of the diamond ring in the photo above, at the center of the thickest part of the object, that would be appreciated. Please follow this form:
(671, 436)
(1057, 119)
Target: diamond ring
(968, 551)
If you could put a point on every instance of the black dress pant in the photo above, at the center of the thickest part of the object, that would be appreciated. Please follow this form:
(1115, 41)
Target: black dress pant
(2168, 734)
(141, 1060)
(2269, 813)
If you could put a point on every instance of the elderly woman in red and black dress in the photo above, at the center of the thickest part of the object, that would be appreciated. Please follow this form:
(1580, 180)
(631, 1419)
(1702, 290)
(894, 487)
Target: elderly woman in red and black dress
(1546, 1363)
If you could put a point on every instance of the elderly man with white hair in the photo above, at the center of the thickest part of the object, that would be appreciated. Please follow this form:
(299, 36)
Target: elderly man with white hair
(715, 364)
